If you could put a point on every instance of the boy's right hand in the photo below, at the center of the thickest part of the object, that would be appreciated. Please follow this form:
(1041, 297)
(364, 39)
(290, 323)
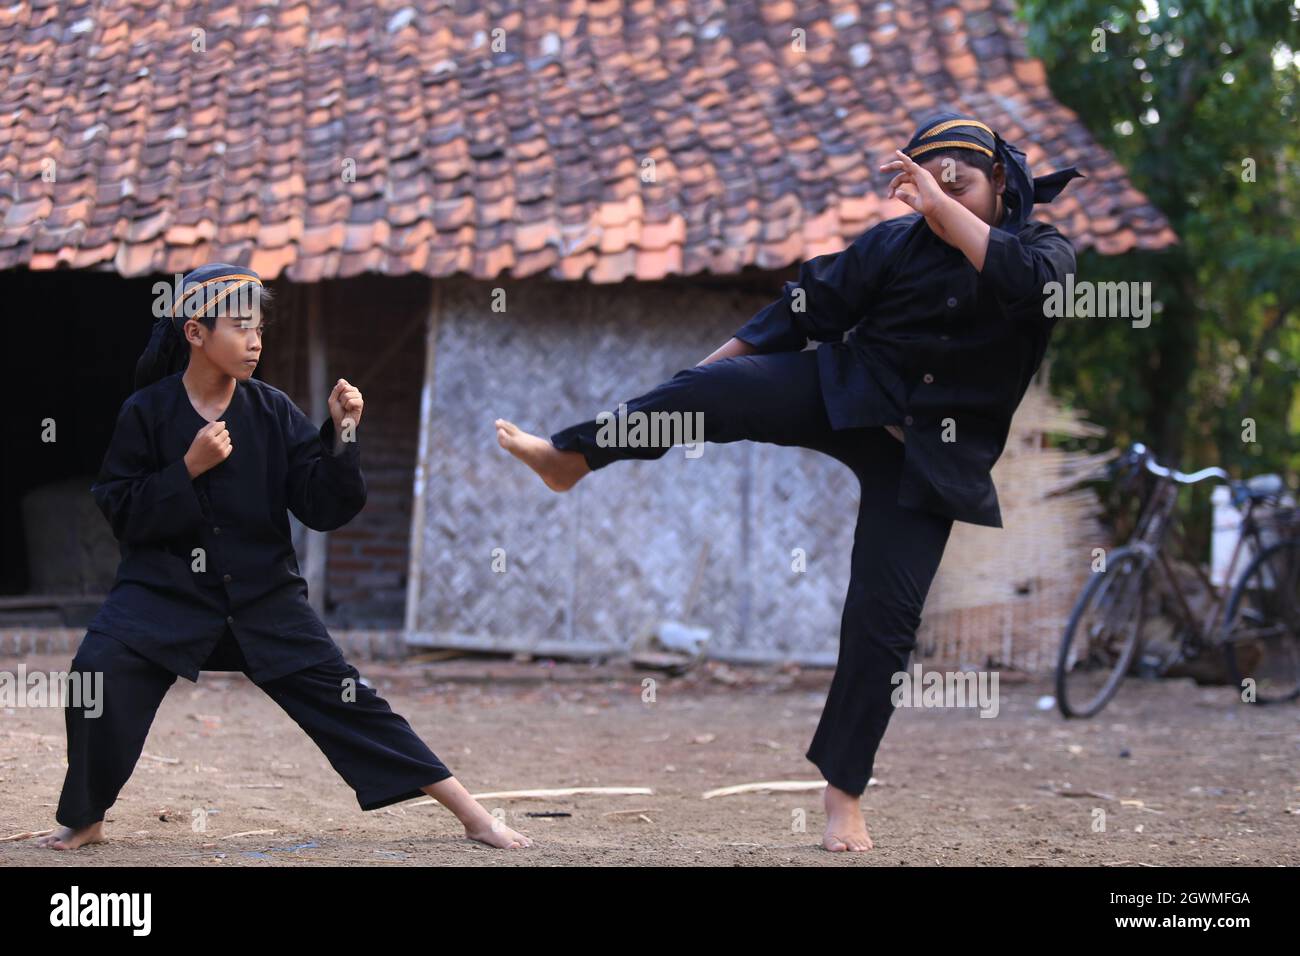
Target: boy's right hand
(210, 448)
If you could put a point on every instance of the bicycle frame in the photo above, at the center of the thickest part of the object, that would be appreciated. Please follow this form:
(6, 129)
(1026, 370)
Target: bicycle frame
(1154, 523)
(1103, 638)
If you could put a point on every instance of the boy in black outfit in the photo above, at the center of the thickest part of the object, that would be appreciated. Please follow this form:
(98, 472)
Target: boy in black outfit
(204, 464)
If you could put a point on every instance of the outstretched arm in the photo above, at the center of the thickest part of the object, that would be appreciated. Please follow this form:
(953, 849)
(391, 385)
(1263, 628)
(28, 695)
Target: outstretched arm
(829, 298)
(733, 346)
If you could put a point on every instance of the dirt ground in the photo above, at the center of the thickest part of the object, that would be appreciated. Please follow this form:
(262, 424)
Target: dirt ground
(1183, 774)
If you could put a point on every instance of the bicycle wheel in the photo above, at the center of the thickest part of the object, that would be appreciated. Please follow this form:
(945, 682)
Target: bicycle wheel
(1261, 625)
(1103, 634)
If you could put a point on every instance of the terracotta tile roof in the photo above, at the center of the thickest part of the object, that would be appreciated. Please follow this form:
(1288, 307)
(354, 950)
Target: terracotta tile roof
(605, 140)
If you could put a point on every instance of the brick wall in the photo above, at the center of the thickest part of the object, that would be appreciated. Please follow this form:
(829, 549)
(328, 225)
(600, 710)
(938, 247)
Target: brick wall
(374, 334)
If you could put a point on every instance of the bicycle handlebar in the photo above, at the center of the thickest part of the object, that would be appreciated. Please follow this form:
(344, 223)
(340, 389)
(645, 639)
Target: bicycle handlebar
(1139, 453)
(1187, 479)
(1270, 489)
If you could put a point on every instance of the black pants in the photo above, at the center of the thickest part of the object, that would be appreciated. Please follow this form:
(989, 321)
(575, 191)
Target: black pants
(373, 749)
(777, 398)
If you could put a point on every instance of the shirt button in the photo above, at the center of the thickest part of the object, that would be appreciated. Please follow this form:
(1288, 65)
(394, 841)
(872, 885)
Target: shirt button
(216, 531)
(907, 419)
(226, 578)
(927, 378)
(229, 619)
(952, 302)
(944, 338)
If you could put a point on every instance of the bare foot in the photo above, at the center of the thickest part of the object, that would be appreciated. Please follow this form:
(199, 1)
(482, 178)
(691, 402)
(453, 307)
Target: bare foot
(65, 838)
(845, 827)
(497, 834)
(560, 470)
(479, 824)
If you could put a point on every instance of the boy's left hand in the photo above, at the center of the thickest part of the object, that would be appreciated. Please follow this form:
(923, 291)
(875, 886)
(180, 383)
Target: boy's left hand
(926, 197)
(345, 402)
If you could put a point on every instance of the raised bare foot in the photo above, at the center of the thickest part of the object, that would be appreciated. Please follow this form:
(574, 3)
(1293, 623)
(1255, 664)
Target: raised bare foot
(66, 838)
(560, 470)
(497, 834)
(845, 827)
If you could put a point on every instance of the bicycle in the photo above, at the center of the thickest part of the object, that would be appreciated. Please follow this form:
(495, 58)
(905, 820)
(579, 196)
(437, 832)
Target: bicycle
(1257, 627)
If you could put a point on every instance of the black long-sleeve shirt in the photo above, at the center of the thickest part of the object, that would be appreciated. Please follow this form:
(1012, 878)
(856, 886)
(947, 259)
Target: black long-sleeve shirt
(200, 555)
(914, 336)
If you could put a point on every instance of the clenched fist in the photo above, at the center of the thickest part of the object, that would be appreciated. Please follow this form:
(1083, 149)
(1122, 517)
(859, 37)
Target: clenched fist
(211, 446)
(345, 403)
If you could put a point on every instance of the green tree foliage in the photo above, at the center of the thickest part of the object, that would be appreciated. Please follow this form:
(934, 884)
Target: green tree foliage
(1197, 101)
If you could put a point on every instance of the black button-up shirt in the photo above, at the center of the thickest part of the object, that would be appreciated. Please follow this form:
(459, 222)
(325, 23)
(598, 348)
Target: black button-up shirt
(914, 336)
(202, 555)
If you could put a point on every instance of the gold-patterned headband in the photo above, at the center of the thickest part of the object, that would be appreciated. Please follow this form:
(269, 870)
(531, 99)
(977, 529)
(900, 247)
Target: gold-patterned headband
(236, 281)
(940, 128)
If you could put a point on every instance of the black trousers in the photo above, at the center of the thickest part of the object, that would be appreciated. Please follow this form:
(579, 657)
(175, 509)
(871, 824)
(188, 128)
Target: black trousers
(373, 749)
(777, 398)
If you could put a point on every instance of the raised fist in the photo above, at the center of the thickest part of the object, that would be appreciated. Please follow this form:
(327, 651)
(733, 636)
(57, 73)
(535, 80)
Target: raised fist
(211, 446)
(345, 402)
